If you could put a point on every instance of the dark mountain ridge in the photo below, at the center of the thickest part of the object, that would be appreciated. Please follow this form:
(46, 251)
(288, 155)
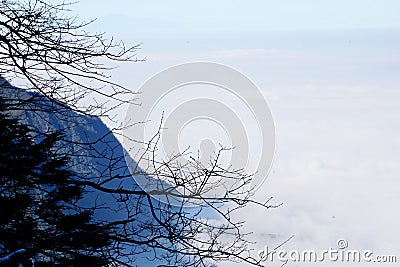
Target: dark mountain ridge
(95, 155)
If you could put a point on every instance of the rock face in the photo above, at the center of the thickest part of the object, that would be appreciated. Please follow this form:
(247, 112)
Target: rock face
(92, 146)
(95, 153)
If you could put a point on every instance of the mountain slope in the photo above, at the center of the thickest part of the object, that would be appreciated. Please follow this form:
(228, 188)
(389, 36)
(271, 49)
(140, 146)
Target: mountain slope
(95, 155)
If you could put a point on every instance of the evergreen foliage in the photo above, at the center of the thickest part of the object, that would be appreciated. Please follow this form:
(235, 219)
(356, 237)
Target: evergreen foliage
(39, 211)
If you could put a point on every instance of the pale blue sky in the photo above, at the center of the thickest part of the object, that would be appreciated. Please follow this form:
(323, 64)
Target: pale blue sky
(241, 16)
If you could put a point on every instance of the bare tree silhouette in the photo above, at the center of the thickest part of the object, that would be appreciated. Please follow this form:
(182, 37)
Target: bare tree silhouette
(61, 65)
